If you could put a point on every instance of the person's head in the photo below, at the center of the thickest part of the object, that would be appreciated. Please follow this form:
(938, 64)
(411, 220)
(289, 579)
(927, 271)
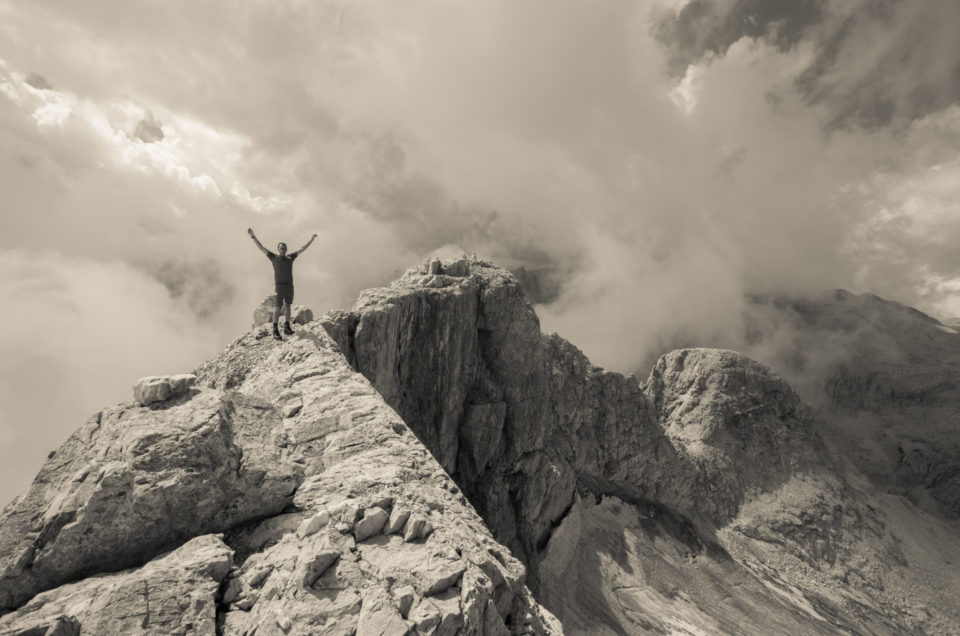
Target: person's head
(282, 249)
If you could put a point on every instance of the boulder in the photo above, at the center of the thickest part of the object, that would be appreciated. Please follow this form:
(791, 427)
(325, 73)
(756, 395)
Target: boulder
(158, 388)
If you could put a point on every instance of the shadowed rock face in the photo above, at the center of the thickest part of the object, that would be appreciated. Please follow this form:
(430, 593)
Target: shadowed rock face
(287, 494)
(523, 420)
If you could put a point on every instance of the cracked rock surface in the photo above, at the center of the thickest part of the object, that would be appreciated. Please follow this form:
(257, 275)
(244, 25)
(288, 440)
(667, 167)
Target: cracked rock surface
(173, 593)
(333, 514)
(134, 481)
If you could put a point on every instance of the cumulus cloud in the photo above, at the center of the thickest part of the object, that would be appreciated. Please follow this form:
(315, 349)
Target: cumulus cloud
(653, 161)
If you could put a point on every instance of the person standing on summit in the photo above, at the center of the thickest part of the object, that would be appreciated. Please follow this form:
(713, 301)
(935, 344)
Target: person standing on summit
(282, 278)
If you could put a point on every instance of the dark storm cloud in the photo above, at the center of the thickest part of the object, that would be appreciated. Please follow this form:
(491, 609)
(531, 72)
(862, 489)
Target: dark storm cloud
(709, 27)
(874, 62)
(883, 63)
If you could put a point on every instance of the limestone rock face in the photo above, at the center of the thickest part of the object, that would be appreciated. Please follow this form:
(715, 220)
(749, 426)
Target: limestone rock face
(303, 498)
(526, 425)
(264, 313)
(135, 480)
(521, 419)
(157, 388)
(604, 542)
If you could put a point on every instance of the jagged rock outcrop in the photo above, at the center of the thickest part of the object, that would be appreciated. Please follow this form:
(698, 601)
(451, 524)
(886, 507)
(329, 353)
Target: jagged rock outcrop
(522, 420)
(742, 426)
(135, 481)
(296, 459)
(528, 427)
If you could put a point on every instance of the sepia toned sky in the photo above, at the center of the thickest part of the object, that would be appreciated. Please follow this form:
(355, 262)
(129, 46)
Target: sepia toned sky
(657, 159)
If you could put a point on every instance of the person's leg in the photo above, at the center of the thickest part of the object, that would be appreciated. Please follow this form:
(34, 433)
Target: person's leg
(276, 315)
(287, 328)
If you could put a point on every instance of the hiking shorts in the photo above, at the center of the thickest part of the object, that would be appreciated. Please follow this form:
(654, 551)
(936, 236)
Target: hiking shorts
(284, 293)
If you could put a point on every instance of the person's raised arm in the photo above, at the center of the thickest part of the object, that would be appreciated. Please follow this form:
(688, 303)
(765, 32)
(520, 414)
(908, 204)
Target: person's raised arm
(257, 241)
(303, 249)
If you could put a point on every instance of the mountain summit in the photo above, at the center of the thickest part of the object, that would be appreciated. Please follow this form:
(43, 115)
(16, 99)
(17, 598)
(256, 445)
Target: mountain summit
(431, 463)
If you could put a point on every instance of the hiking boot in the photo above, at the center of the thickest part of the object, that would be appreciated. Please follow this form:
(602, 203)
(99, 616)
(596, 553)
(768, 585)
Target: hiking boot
(287, 329)
(276, 333)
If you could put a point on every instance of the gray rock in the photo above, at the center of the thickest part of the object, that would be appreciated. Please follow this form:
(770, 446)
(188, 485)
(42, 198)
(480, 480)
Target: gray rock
(413, 529)
(316, 564)
(444, 575)
(313, 524)
(173, 594)
(405, 595)
(134, 482)
(371, 524)
(884, 380)
(378, 615)
(159, 388)
(398, 518)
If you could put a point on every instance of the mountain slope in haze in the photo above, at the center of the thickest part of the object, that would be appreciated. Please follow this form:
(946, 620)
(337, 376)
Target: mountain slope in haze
(331, 484)
(884, 380)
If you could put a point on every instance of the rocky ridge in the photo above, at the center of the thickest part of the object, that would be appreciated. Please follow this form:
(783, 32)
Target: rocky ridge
(316, 509)
(286, 493)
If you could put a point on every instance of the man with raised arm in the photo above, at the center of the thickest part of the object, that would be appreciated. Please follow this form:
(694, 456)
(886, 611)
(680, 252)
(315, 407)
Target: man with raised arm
(282, 278)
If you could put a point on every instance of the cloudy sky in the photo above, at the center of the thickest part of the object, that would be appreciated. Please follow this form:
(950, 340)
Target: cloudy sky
(658, 159)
